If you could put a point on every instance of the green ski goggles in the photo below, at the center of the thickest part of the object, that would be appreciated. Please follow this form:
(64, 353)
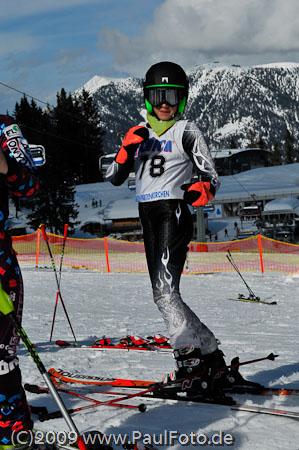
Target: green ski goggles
(158, 96)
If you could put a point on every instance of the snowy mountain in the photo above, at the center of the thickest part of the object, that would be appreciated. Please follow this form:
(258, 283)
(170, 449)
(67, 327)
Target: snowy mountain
(225, 102)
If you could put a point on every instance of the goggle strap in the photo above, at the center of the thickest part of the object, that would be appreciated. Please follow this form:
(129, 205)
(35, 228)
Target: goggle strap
(165, 86)
(148, 106)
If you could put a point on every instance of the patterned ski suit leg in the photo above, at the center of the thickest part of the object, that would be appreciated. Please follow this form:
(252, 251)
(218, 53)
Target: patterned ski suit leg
(14, 411)
(168, 229)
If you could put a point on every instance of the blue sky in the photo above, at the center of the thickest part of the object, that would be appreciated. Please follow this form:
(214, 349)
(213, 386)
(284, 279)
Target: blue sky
(49, 44)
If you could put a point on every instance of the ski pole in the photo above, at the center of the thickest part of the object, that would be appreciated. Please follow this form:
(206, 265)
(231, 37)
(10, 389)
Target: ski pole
(58, 295)
(44, 415)
(7, 309)
(230, 259)
(60, 270)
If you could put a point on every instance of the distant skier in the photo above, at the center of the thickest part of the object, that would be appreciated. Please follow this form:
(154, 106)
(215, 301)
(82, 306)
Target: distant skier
(166, 150)
(17, 178)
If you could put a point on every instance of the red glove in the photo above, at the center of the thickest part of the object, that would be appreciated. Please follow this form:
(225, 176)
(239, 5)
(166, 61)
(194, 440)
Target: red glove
(132, 139)
(199, 193)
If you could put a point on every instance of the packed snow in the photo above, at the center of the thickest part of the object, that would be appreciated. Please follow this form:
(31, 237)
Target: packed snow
(118, 304)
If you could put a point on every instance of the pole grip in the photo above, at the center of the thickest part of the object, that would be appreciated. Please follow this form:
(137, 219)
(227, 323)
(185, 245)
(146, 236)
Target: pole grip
(65, 231)
(33, 388)
(52, 415)
(45, 236)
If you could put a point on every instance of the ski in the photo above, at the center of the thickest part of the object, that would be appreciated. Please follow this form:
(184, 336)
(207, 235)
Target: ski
(252, 297)
(155, 343)
(236, 406)
(69, 377)
(267, 391)
(263, 410)
(177, 397)
(251, 300)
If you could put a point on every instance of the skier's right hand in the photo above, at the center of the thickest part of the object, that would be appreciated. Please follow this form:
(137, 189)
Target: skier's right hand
(134, 137)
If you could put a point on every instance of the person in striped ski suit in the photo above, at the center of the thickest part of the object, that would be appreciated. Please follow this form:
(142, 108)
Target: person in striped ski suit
(174, 169)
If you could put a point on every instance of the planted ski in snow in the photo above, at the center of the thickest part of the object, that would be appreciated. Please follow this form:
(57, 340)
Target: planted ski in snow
(155, 343)
(251, 300)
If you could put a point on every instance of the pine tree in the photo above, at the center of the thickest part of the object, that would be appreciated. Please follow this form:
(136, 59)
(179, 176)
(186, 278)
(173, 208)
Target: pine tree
(252, 139)
(275, 159)
(232, 143)
(261, 143)
(77, 126)
(54, 203)
(92, 133)
(288, 148)
(72, 137)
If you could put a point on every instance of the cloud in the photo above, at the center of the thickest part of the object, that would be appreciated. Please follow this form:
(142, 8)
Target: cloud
(18, 8)
(195, 31)
(12, 43)
(68, 60)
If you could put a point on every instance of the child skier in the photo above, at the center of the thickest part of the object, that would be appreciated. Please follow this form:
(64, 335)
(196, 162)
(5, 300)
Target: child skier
(166, 150)
(16, 178)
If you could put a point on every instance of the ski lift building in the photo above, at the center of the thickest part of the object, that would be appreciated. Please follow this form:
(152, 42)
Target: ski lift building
(235, 160)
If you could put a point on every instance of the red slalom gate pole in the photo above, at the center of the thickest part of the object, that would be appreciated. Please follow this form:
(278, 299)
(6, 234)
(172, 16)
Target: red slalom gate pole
(58, 295)
(63, 248)
(54, 316)
(60, 270)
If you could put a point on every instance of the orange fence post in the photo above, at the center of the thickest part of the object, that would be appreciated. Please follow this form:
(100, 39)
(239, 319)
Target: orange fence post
(259, 238)
(37, 248)
(106, 252)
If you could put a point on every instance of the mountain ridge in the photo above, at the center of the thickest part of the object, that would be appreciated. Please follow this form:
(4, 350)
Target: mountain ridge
(225, 101)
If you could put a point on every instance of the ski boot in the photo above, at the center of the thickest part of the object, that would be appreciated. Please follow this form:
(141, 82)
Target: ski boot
(198, 376)
(235, 383)
(229, 381)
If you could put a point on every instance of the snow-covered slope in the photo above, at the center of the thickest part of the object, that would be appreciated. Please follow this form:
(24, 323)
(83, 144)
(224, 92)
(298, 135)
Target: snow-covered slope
(119, 304)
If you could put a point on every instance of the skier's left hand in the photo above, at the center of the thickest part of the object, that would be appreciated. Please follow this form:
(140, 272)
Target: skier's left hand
(199, 193)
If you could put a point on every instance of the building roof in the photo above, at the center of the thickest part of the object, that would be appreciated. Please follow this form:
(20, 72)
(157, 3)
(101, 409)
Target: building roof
(228, 152)
(117, 202)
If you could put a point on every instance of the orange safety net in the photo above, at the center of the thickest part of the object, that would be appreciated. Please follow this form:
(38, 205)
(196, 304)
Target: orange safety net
(256, 253)
(25, 247)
